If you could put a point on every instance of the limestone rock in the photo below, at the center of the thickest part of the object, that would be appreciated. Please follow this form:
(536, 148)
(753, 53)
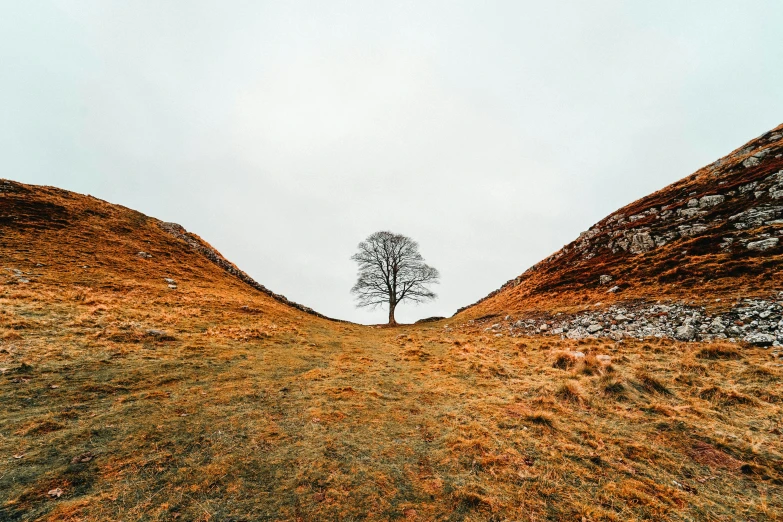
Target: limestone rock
(764, 244)
(685, 332)
(760, 339)
(711, 201)
(751, 162)
(641, 243)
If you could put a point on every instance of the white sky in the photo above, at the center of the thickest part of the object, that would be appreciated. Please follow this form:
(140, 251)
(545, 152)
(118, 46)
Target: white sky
(286, 132)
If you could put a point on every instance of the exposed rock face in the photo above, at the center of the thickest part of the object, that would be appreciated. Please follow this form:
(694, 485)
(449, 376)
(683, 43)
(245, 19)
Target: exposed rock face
(641, 242)
(702, 229)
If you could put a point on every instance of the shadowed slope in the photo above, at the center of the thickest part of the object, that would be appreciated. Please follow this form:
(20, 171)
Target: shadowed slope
(714, 234)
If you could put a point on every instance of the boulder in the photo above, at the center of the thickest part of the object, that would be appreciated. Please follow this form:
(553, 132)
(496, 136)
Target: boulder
(595, 327)
(685, 332)
(764, 244)
(760, 339)
(711, 201)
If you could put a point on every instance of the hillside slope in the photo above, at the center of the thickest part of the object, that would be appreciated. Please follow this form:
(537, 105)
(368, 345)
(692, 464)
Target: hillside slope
(714, 234)
(144, 377)
(56, 238)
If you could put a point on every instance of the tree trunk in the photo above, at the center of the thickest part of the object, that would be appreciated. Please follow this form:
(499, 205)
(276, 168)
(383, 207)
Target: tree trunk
(392, 306)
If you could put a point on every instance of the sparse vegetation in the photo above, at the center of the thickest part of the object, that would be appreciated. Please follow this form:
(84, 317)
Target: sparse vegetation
(124, 399)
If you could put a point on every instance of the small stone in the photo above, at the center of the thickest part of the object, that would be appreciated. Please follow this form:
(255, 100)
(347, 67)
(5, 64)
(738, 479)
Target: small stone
(169, 280)
(160, 335)
(84, 457)
(604, 279)
(613, 290)
(55, 493)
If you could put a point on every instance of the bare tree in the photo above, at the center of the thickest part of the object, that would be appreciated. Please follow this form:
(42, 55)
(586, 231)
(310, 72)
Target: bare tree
(391, 270)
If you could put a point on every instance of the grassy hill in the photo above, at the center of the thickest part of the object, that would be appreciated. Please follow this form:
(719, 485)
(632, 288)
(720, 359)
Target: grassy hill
(697, 240)
(144, 377)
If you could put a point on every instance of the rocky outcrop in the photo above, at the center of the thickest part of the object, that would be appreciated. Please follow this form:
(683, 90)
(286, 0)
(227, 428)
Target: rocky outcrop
(701, 228)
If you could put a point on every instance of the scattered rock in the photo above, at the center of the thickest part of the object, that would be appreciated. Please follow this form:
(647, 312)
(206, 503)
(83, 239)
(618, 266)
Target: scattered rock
(144, 255)
(84, 457)
(160, 335)
(685, 332)
(764, 244)
(750, 162)
(613, 290)
(711, 201)
(593, 328)
(760, 339)
(605, 279)
(55, 493)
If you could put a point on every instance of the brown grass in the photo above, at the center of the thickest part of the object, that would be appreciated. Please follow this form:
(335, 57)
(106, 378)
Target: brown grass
(273, 414)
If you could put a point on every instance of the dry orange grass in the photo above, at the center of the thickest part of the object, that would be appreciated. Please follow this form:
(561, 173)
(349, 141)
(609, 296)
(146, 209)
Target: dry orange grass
(324, 421)
(246, 409)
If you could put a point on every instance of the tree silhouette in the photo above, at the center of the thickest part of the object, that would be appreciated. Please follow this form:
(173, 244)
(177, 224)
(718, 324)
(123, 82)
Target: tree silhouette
(391, 270)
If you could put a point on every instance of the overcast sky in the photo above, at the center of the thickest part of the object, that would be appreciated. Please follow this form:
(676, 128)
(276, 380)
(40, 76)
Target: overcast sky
(286, 132)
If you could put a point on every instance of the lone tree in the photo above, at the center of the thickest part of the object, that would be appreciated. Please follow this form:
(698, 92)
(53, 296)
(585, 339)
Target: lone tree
(391, 270)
